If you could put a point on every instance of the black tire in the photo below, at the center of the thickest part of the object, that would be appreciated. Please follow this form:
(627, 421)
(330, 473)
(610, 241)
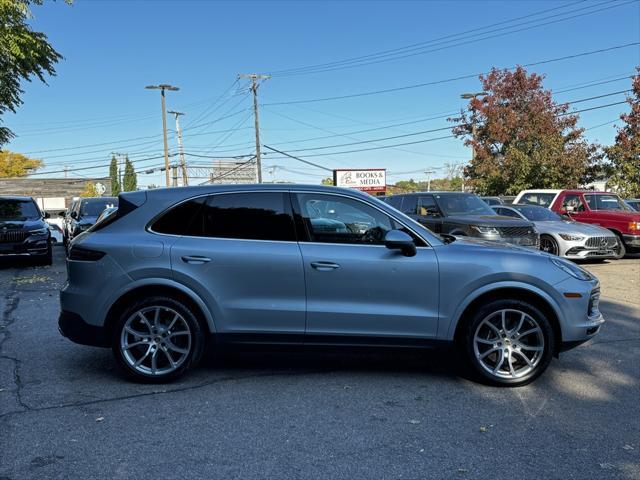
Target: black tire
(195, 349)
(621, 249)
(478, 371)
(548, 244)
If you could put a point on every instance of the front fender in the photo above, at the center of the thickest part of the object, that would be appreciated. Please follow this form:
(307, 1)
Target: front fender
(449, 323)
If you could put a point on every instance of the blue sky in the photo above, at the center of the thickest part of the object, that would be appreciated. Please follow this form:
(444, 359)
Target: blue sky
(113, 49)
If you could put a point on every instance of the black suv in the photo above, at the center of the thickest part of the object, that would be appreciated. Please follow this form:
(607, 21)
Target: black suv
(459, 213)
(83, 214)
(23, 231)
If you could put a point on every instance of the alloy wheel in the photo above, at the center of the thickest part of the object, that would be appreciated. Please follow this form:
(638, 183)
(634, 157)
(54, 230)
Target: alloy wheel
(548, 245)
(155, 340)
(508, 344)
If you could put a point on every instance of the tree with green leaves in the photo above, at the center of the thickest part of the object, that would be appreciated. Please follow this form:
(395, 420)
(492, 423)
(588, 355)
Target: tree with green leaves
(17, 165)
(624, 155)
(522, 138)
(113, 175)
(24, 54)
(130, 178)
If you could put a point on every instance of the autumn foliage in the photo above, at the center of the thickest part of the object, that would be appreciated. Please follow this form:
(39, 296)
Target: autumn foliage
(17, 165)
(624, 155)
(523, 138)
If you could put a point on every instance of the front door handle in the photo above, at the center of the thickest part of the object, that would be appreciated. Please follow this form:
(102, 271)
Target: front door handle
(195, 259)
(325, 266)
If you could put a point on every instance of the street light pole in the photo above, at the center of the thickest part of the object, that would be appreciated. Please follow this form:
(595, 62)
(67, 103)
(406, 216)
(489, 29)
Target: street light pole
(183, 165)
(162, 87)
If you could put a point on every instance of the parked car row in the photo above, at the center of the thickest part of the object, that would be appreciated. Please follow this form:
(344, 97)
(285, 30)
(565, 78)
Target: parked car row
(83, 214)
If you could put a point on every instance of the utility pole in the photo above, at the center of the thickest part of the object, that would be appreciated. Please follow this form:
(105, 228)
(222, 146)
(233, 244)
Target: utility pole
(429, 173)
(174, 168)
(254, 77)
(162, 87)
(183, 165)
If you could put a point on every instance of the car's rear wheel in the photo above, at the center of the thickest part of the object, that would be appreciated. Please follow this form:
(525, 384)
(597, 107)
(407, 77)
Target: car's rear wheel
(549, 245)
(157, 340)
(508, 343)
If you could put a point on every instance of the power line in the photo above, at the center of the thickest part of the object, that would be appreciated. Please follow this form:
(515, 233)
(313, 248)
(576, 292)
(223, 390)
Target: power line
(297, 158)
(412, 46)
(448, 80)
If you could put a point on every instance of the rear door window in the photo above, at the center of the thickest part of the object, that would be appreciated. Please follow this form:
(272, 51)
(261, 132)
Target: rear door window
(247, 216)
(573, 203)
(427, 205)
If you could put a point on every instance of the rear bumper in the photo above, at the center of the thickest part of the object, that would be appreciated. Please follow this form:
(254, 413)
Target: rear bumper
(72, 326)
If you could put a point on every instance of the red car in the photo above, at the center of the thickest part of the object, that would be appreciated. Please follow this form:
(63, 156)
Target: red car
(597, 208)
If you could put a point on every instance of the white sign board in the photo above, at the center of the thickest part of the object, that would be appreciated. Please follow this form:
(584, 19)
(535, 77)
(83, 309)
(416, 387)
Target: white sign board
(371, 180)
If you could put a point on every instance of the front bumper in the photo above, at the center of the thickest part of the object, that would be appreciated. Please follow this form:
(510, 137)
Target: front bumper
(582, 319)
(631, 240)
(32, 246)
(72, 326)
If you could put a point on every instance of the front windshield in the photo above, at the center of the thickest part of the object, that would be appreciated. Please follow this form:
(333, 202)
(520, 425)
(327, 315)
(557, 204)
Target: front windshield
(607, 202)
(18, 210)
(538, 214)
(93, 208)
(463, 204)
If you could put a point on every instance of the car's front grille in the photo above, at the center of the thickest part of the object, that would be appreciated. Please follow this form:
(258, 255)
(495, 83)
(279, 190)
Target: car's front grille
(7, 236)
(601, 242)
(516, 231)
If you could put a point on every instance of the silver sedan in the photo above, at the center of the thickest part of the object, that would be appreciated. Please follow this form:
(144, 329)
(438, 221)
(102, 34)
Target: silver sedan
(566, 238)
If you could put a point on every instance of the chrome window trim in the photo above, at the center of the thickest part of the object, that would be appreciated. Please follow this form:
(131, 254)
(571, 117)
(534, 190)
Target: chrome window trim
(156, 217)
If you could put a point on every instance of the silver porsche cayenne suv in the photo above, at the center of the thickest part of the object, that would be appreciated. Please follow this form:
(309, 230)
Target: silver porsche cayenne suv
(174, 271)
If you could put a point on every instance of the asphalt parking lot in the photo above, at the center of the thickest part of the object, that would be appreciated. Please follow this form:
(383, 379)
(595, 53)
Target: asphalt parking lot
(65, 413)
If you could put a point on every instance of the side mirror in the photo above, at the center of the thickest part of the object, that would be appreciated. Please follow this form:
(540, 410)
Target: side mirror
(47, 215)
(433, 212)
(74, 215)
(399, 240)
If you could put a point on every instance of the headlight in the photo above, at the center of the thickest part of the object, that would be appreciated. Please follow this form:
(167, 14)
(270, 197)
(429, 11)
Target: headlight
(485, 230)
(571, 238)
(39, 231)
(572, 269)
(634, 226)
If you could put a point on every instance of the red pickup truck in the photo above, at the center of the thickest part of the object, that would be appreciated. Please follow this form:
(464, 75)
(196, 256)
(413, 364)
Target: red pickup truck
(598, 208)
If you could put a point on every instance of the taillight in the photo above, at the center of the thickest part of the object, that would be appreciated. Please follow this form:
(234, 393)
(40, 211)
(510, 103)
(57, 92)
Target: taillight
(85, 254)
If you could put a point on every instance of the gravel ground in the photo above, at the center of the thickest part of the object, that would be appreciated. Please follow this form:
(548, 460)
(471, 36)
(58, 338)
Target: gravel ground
(65, 413)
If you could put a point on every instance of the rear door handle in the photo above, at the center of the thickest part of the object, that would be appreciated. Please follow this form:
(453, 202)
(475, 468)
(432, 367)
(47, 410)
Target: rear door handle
(325, 266)
(195, 259)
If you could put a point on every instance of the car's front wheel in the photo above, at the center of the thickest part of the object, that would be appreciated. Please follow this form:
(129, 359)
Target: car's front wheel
(508, 342)
(157, 340)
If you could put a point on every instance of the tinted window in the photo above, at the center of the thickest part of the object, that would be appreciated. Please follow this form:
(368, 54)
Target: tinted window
(178, 220)
(542, 199)
(426, 205)
(18, 210)
(248, 216)
(463, 204)
(334, 219)
(394, 201)
(94, 207)
(409, 205)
